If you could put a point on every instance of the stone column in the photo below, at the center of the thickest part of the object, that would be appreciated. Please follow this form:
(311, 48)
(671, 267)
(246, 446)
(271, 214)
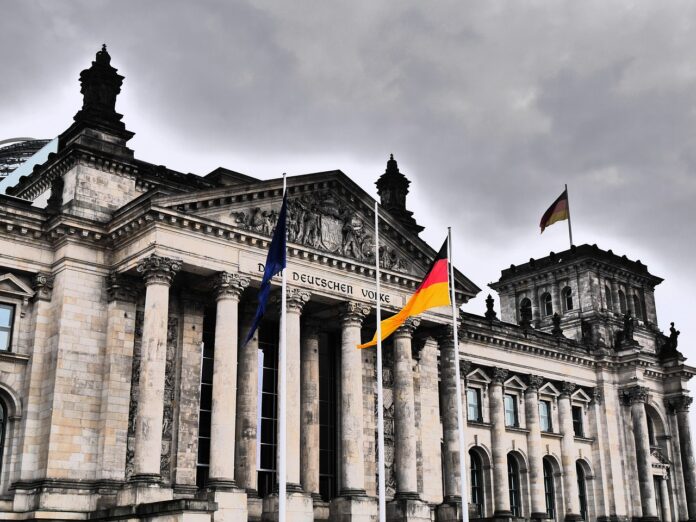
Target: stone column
(406, 505)
(556, 298)
(616, 305)
(680, 406)
(664, 495)
(353, 504)
(247, 406)
(501, 493)
(430, 433)
(536, 316)
(568, 452)
(534, 450)
(636, 397)
(158, 273)
(450, 429)
(228, 288)
(309, 437)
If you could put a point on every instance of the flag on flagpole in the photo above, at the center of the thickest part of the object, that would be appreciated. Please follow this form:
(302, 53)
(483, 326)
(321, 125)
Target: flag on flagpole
(558, 211)
(275, 263)
(431, 293)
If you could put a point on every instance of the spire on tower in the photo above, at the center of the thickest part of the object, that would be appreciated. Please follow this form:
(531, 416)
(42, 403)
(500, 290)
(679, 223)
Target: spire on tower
(392, 187)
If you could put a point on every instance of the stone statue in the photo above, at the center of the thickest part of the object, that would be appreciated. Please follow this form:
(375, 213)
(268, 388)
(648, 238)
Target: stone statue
(669, 348)
(629, 326)
(557, 331)
(490, 312)
(526, 314)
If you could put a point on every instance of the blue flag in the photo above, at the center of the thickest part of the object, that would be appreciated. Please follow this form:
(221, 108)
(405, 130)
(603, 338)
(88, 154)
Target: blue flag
(275, 262)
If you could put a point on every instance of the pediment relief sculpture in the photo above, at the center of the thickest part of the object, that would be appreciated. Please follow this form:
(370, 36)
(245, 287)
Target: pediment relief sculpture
(320, 221)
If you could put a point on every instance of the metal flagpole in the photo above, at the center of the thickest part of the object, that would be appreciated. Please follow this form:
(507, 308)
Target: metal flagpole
(380, 400)
(282, 387)
(570, 229)
(460, 418)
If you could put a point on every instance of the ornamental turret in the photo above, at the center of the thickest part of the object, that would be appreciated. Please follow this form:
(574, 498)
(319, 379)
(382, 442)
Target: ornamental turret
(392, 187)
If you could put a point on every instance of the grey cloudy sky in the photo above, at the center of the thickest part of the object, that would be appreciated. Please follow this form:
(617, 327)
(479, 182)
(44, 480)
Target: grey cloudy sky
(489, 107)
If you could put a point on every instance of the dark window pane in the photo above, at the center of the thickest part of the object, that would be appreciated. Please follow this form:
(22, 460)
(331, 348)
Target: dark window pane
(207, 370)
(268, 409)
(206, 397)
(204, 424)
(201, 476)
(203, 451)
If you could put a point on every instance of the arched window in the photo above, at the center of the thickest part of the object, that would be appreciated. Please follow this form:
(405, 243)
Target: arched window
(567, 298)
(582, 490)
(549, 489)
(546, 304)
(607, 296)
(514, 486)
(622, 302)
(525, 310)
(476, 467)
(637, 309)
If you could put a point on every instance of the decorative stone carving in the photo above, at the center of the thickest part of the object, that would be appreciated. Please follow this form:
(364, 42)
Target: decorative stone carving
(134, 393)
(121, 288)
(407, 329)
(567, 388)
(43, 286)
(464, 369)
(634, 394)
(229, 285)
(320, 221)
(597, 396)
(679, 403)
(557, 331)
(158, 270)
(534, 382)
(353, 312)
(500, 375)
(490, 312)
(296, 299)
(169, 391)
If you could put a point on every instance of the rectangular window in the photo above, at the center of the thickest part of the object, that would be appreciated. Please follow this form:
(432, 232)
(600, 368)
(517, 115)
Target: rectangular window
(473, 396)
(511, 411)
(268, 342)
(327, 416)
(577, 421)
(206, 400)
(545, 416)
(6, 320)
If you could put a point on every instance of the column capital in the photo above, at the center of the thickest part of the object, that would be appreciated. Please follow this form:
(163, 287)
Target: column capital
(634, 394)
(353, 313)
(296, 298)
(500, 375)
(534, 382)
(407, 329)
(464, 369)
(158, 269)
(445, 334)
(680, 403)
(43, 286)
(228, 285)
(121, 288)
(567, 389)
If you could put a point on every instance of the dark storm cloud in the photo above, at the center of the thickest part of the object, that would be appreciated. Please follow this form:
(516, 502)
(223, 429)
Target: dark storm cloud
(490, 107)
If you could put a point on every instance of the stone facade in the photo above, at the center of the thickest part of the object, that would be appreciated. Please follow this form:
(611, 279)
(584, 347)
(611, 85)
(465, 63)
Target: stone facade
(128, 394)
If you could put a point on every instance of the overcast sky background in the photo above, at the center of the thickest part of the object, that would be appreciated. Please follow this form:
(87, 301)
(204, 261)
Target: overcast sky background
(489, 108)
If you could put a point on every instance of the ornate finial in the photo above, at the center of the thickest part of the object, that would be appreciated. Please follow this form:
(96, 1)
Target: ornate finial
(392, 187)
(391, 156)
(104, 47)
(490, 312)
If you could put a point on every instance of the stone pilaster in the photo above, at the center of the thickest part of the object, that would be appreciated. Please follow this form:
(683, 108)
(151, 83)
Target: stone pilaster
(228, 288)
(353, 504)
(556, 298)
(568, 452)
(536, 470)
(430, 432)
(680, 407)
(616, 305)
(636, 397)
(406, 505)
(500, 479)
(309, 435)
(118, 361)
(536, 316)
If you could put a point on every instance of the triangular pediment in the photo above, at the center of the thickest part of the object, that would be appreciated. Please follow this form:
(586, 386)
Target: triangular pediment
(478, 375)
(549, 389)
(327, 214)
(581, 396)
(515, 383)
(10, 284)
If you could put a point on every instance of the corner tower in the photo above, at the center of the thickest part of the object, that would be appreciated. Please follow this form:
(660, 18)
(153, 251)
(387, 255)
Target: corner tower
(600, 298)
(392, 187)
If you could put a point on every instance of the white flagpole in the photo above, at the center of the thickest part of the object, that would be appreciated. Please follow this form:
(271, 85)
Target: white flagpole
(282, 387)
(380, 400)
(570, 228)
(460, 417)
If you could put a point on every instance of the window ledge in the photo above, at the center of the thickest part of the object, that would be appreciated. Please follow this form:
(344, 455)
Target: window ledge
(13, 357)
(584, 439)
(479, 424)
(551, 434)
(516, 429)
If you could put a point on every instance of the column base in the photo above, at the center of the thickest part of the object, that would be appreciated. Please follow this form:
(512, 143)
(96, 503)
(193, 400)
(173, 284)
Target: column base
(450, 510)
(572, 517)
(354, 508)
(405, 508)
(321, 510)
(254, 506)
(541, 515)
(140, 491)
(231, 502)
(298, 507)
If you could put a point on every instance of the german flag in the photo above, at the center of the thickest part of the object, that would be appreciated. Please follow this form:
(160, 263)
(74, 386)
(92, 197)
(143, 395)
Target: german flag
(558, 211)
(431, 293)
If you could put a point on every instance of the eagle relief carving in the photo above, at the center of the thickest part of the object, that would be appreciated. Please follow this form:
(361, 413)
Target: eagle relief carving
(320, 222)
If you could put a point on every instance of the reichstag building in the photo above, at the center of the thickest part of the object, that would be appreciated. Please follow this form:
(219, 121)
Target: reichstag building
(125, 393)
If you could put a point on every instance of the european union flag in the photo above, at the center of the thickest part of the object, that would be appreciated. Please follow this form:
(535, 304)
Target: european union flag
(275, 262)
